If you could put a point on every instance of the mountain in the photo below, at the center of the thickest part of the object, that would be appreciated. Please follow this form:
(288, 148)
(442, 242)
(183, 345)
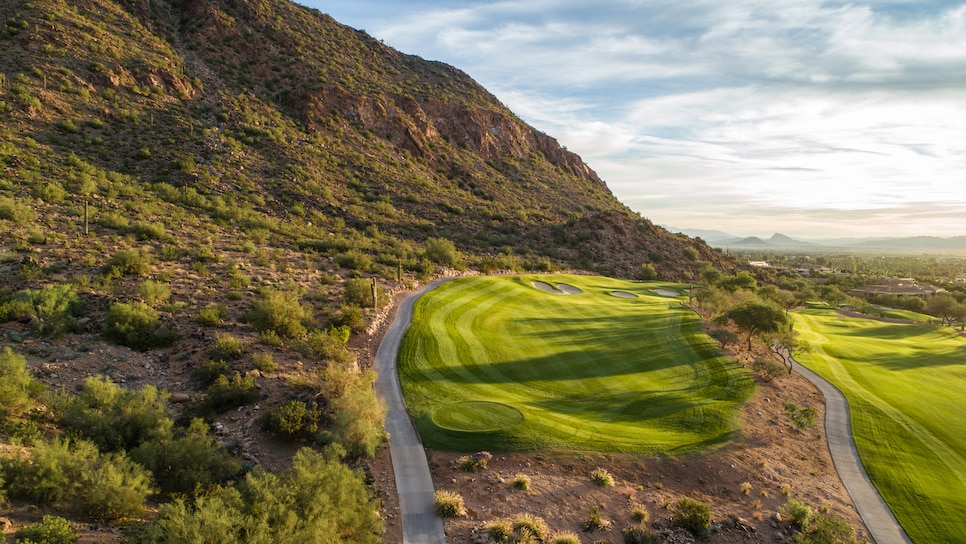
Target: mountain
(265, 116)
(787, 241)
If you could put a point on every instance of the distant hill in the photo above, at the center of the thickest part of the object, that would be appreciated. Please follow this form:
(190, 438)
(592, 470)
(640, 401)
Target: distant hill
(265, 112)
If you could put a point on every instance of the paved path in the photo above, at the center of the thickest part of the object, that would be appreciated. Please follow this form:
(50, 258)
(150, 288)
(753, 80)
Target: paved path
(875, 513)
(420, 524)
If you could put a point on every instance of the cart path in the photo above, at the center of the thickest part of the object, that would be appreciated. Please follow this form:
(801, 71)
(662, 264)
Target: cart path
(414, 483)
(875, 513)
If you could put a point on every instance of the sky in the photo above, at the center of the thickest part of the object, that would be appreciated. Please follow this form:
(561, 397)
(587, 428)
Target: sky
(814, 119)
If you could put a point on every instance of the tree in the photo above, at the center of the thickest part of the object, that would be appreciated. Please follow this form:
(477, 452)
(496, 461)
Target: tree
(742, 280)
(944, 306)
(648, 272)
(755, 317)
(724, 337)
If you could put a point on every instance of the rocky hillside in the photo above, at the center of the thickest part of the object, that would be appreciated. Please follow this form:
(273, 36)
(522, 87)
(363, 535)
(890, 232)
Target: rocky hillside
(265, 115)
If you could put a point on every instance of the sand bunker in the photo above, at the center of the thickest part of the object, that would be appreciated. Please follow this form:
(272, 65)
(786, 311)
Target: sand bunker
(667, 293)
(623, 294)
(560, 289)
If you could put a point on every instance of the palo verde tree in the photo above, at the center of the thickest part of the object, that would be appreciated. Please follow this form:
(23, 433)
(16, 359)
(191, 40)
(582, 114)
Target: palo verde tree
(755, 317)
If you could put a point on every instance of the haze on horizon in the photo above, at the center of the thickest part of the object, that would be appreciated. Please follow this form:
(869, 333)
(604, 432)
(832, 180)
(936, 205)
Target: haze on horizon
(810, 118)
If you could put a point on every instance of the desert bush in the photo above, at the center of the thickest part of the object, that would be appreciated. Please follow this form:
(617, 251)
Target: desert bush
(350, 315)
(693, 515)
(15, 211)
(639, 513)
(745, 488)
(186, 459)
(212, 315)
(359, 291)
(449, 504)
(647, 272)
(640, 535)
(154, 292)
(521, 481)
(826, 530)
(227, 347)
(769, 367)
(146, 230)
(209, 371)
(799, 513)
(475, 462)
(292, 418)
(499, 530)
(264, 362)
(53, 308)
(803, 418)
(566, 537)
(279, 312)
(535, 525)
(358, 416)
(327, 345)
(18, 387)
(318, 499)
(602, 478)
(114, 418)
(51, 530)
(596, 520)
(100, 487)
(136, 326)
(131, 262)
(224, 394)
(442, 252)
(354, 259)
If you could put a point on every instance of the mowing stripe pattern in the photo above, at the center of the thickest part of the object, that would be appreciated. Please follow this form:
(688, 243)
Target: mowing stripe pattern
(497, 363)
(904, 385)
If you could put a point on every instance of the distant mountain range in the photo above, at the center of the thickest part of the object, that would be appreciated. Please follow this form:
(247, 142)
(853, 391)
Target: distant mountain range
(721, 239)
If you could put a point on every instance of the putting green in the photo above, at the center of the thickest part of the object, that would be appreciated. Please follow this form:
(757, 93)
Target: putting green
(904, 384)
(506, 364)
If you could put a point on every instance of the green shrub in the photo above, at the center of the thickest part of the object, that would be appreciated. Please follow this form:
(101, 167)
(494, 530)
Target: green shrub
(318, 499)
(227, 347)
(279, 312)
(114, 418)
(449, 504)
(113, 220)
(826, 530)
(224, 394)
(769, 367)
(521, 482)
(154, 292)
(799, 513)
(499, 530)
(100, 487)
(131, 262)
(212, 315)
(442, 252)
(354, 259)
(136, 326)
(54, 308)
(358, 416)
(264, 362)
(693, 515)
(18, 387)
(602, 478)
(359, 291)
(640, 535)
(639, 513)
(208, 372)
(803, 418)
(350, 315)
(148, 231)
(293, 418)
(187, 459)
(532, 524)
(327, 345)
(566, 537)
(52, 530)
(15, 211)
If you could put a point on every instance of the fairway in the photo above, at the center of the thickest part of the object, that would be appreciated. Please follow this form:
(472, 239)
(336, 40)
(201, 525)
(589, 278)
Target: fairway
(904, 384)
(566, 362)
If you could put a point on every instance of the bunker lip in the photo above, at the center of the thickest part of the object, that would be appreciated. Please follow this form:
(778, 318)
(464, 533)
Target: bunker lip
(560, 289)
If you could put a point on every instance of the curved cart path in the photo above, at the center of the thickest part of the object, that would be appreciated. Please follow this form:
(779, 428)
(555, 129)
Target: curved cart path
(414, 483)
(876, 515)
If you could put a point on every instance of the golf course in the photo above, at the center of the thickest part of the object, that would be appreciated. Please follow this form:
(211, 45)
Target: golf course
(904, 384)
(585, 363)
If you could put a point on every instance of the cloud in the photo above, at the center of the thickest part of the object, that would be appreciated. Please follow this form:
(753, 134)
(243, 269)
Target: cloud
(752, 108)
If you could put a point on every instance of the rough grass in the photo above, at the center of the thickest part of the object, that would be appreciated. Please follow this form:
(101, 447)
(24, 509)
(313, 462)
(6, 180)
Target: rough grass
(495, 363)
(904, 385)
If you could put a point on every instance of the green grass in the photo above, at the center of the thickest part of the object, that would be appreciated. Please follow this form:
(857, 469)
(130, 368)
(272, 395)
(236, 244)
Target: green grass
(494, 363)
(904, 384)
